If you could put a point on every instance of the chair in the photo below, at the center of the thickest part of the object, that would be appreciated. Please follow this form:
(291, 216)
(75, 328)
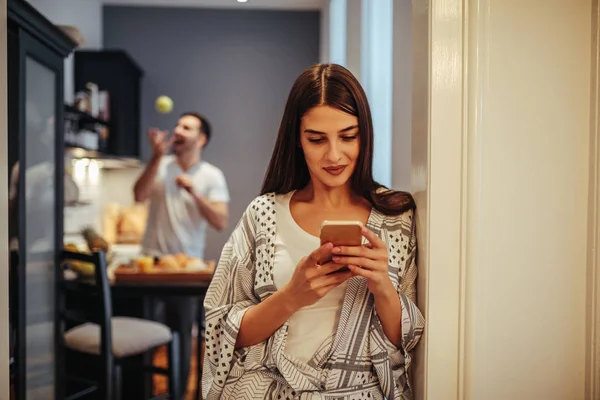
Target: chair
(112, 339)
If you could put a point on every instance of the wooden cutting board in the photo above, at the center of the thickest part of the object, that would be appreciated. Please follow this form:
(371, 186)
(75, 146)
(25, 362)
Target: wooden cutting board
(125, 273)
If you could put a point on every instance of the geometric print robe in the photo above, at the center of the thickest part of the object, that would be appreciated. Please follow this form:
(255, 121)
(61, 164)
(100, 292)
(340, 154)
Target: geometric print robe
(356, 362)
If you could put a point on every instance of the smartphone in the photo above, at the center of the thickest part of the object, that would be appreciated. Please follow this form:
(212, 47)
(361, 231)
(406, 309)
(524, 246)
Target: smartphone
(341, 233)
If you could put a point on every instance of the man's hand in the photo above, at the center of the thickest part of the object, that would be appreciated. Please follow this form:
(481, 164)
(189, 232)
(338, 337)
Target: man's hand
(159, 141)
(216, 213)
(185, 182)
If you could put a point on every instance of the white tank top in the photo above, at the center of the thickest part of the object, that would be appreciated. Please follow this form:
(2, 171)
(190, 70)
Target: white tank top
(311, 325)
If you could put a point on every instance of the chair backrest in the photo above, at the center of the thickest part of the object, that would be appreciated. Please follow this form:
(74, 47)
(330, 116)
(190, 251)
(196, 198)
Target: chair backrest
(86, 300)
(97, 289)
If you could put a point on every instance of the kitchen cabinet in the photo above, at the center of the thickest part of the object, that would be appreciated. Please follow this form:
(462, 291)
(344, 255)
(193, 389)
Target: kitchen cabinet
(116, 72)
(36, 50)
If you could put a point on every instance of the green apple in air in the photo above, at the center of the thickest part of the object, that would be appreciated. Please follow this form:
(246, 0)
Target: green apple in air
(164, 104)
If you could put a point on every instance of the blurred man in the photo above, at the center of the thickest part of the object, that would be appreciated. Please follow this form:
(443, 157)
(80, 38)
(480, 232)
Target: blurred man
(186, 195)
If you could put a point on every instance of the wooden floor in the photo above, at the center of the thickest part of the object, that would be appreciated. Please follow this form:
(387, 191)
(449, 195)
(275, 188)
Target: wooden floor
(161, 382)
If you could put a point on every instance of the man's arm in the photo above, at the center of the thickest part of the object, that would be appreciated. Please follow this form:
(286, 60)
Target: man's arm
(215, 212)
(143, 186)
(160, 144)
(214, 207)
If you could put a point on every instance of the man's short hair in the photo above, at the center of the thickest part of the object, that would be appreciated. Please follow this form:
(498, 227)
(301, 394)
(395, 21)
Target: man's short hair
(204, 124)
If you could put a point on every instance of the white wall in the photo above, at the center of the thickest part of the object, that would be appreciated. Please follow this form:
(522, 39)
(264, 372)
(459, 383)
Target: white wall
(86, 15)
(361, 38)
(402, 63)
(97, 187)
(324, 33)
(354, 32)
(504, 209)
(4, 334)
(337, 31)
(377, 79)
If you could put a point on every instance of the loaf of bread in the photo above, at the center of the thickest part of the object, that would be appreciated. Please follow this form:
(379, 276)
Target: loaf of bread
(132, 221)
(125, 225)
(110, 221)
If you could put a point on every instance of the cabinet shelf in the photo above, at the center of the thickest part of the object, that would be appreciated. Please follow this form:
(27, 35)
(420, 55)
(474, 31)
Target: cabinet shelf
(83, 116)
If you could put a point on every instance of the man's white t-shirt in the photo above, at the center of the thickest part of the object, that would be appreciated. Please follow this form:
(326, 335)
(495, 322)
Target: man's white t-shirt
(175, 224)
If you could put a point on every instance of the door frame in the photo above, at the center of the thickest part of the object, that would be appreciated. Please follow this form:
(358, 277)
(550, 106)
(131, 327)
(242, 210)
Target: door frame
(592, 369)
(4, 255)
(439, 184)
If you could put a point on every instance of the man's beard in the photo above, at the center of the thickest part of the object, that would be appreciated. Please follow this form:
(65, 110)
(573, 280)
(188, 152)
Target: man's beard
(183, 148)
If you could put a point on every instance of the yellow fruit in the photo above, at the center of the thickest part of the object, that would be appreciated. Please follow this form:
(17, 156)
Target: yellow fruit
(83, 268)
(71, 247)
(145, 264)
(164, 104)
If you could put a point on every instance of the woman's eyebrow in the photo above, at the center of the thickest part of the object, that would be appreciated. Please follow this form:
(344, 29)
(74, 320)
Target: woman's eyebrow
(349, 128)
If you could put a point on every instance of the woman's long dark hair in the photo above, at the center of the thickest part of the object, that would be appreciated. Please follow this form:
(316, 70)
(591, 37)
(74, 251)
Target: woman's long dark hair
(334, 86)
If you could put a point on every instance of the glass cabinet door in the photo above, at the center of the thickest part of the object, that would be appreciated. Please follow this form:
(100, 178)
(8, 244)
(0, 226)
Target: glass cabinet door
(40, 226)
(36, 224)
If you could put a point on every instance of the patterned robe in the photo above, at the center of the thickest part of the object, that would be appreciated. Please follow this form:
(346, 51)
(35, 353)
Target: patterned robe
(357, 361)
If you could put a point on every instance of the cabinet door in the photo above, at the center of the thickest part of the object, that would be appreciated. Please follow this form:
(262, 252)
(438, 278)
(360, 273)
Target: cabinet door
(40, 214)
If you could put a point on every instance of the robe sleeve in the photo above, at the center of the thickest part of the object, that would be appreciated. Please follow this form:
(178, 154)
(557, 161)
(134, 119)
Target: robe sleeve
(230, 294)
(412, 319)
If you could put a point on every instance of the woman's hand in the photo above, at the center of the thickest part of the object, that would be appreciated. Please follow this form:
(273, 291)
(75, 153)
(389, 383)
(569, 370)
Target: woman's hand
(308, 284)
(311, 281)
(369, 261)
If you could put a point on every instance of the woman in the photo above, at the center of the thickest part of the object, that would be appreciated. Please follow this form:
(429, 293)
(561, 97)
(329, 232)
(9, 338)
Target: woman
(278, 324)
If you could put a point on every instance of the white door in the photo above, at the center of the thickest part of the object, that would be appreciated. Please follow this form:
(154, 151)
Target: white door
(506, 187)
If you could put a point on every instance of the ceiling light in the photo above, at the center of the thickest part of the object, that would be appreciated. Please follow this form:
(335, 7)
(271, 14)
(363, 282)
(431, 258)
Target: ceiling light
(242, 1)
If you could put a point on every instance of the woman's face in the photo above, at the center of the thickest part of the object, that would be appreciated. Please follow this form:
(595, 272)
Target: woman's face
(330, 141)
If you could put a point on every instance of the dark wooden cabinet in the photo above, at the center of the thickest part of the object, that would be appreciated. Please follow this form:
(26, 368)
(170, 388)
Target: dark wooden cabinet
(36, 53)
(117, 73)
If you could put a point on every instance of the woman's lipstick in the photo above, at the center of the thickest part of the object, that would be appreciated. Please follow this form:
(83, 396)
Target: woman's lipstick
(335, 170)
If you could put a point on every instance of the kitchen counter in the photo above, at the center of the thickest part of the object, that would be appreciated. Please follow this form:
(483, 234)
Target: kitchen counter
(120, 253)
(121, 249)
(130, 250)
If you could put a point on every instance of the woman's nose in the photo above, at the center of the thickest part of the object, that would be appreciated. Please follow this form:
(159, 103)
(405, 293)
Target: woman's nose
(333, 153)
